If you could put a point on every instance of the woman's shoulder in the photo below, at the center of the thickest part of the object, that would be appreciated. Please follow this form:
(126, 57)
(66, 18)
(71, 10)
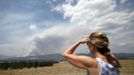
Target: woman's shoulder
(89, 61)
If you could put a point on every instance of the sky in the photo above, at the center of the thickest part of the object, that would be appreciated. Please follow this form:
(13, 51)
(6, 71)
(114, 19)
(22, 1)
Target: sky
(39, 27)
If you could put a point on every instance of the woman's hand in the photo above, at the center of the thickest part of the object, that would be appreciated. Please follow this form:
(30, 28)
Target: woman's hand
(83, 40)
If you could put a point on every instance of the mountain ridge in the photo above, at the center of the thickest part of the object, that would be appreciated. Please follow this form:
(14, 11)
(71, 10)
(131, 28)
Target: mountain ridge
(56, 57)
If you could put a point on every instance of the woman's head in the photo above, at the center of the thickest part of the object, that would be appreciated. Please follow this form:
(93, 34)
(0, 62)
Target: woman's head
(99, 40)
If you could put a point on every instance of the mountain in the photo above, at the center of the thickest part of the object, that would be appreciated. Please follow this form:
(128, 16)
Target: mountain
(124, 55)
(3, 57)
(47, 57)
(56, 57)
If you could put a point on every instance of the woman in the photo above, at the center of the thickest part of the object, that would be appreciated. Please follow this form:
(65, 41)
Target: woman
(103, 61)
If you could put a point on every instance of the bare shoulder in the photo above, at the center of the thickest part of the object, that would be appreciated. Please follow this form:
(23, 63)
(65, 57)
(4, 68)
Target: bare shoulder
(89, 61)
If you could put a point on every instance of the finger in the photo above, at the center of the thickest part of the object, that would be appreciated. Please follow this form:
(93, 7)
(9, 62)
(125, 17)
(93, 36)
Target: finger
(86, 39)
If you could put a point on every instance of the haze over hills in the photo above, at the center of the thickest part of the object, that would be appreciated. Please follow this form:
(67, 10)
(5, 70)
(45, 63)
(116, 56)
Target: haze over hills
(56, 57)
(47, 57)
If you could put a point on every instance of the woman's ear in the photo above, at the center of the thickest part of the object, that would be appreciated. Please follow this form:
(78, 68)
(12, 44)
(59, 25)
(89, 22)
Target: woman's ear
(93, 48)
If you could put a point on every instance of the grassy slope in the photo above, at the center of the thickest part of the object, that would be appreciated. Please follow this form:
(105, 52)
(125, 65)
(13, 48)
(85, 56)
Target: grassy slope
(63, 68)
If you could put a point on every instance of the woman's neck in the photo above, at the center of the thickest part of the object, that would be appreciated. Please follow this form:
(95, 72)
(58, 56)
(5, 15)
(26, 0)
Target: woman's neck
(99, 55)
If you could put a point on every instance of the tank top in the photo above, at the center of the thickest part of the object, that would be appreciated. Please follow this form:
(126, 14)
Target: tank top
(106, 68)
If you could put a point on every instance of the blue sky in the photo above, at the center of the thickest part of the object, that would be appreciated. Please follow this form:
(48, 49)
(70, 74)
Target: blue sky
(36, 27)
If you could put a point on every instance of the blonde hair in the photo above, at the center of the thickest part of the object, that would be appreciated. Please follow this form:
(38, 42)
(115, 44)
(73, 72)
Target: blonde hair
(101, 42)
(99, 39)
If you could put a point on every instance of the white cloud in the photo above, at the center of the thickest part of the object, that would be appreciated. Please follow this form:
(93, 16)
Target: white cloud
(87, 9)
(33, 27)
(53, 40)
(85, 17)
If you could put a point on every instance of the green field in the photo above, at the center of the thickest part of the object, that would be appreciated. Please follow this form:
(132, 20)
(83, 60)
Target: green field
(64, 68)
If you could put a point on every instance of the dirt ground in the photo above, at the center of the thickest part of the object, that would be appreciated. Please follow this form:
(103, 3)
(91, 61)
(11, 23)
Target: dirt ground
(64, 68)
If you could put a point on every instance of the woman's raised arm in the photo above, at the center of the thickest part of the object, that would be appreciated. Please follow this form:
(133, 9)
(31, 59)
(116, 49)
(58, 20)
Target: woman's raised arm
(83, 62)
